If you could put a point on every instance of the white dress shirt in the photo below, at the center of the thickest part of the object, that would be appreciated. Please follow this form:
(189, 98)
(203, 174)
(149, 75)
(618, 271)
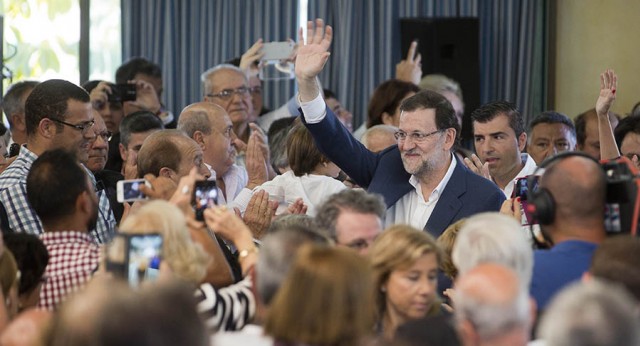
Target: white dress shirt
(412, 209)
(528, 169)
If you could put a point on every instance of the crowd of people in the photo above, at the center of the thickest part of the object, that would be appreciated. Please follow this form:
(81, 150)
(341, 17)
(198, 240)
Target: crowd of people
(395, 233)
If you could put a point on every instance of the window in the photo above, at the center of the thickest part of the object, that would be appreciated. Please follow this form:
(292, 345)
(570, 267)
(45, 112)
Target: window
(42, 40)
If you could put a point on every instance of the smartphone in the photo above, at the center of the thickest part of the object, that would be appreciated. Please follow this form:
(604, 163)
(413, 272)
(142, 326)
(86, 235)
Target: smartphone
(205, 195)
(277, 50)
(129, 190)
(135, 257)
(122, 93)
(521, 189)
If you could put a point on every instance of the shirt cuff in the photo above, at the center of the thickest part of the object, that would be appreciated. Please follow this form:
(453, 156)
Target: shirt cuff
(314, 111)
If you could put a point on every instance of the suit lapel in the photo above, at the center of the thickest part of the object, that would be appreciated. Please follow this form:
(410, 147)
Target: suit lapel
(449, 203)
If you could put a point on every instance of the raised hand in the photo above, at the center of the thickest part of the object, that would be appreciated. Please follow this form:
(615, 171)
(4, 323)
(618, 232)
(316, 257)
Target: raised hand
(475, 165)
(608, 86)
(146, 99)
(410, 69)
(255, 162)
(314, 52)
(251, 56)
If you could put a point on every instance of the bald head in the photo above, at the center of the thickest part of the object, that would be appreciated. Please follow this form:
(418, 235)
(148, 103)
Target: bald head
(210, 126)
(578, 187)
(201, 116)
(379, 137)
(492, 303)
(169, 153)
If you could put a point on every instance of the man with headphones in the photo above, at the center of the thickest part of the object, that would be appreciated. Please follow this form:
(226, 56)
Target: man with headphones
(569, 206)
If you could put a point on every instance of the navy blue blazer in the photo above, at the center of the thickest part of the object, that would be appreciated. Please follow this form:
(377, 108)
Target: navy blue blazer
(465, 194)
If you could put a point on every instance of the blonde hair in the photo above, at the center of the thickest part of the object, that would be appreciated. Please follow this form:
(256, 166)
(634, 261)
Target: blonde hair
(398, 247)
(327, 299)
(187, 259)
(446, 241)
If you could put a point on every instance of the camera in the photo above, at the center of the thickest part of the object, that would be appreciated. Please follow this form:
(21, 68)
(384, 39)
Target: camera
(122, 93)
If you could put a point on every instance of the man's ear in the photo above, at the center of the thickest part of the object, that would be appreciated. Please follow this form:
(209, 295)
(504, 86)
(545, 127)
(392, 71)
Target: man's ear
(47, 128)
(586, 277)
(123, 152)
(198, 136)
(166, 172)
(522, 141)
(450, 138)
(84, 203)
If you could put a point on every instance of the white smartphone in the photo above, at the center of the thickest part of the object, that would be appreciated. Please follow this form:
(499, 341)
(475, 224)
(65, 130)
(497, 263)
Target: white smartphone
(277, 50)
(129, 190)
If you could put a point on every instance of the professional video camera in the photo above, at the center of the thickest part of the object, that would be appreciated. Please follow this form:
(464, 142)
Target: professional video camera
(623, 201)
(622, 209)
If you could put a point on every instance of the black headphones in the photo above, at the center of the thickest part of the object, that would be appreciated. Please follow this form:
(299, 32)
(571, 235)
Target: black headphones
(541, 203)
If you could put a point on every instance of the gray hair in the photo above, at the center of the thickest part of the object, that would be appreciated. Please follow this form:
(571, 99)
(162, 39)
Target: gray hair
(355, 200)
(594, 313)
(492, 318)
(194, 120)
(380, 130)
(440, 83)
(205, 77)
(12, 102)
(496, 238)
(277, 253)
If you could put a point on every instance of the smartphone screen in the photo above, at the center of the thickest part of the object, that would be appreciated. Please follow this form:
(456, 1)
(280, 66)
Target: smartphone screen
(521, 189)
(135, 257)
(205, 194)
(143, 258)
(129, 190)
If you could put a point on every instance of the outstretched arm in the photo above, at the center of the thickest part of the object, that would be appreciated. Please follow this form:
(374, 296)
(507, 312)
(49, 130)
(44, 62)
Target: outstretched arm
(312, 56)
(608, 86)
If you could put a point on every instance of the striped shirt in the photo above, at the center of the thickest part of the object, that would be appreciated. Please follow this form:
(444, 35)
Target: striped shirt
(226, 309)
(22, 218)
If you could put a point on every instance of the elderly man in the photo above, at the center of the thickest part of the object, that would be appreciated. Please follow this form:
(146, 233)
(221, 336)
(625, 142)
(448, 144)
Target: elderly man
(209, 125)
(492, 307)
(499, 139)
(227, 86)
(379, 137)
(352, 218)
(170, 154)
(13, 106)
(58, 116)
(597, 313)
(421, 181)
(550, 133)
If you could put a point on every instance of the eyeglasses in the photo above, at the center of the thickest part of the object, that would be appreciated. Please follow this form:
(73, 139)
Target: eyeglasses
(416, 136)
(105, 135)
(256, 90)
(83, 127)
(226, 94)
